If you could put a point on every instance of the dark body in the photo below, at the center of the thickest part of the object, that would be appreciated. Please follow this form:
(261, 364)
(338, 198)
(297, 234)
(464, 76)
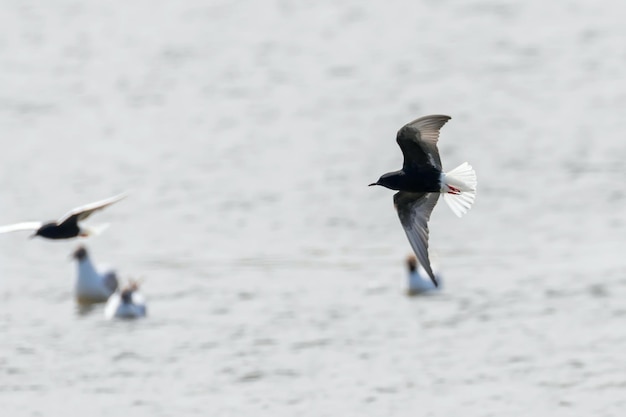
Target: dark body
(66, 230)
(422, 179)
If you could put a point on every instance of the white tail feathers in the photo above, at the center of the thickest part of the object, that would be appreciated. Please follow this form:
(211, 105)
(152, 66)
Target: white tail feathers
(86, 231)
(459, 188)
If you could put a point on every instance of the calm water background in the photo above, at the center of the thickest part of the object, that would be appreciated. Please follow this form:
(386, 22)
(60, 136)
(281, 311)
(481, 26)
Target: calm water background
(247, 132)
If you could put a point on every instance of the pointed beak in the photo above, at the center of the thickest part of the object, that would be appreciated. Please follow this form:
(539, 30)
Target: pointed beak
(374, 183)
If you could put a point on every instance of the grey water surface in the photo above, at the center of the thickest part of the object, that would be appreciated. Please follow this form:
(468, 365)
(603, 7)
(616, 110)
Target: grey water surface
(247, 132)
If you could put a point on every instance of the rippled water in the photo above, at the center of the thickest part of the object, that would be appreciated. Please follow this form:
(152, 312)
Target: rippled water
(247, 133)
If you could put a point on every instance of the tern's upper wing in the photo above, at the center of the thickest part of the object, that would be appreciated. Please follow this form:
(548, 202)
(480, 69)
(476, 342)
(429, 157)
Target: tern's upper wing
(418, 140)
(20, 226)
(82, 212)
(414, 210)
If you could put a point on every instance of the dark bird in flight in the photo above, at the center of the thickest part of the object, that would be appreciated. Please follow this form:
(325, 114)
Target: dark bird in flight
(421, 180)
(67, 227)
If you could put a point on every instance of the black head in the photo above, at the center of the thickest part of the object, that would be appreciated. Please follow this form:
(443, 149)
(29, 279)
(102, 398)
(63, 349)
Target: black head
(127, 293)
(80, 253)
(45, 230)
(391, 180)
(411, 263)
(127, 296)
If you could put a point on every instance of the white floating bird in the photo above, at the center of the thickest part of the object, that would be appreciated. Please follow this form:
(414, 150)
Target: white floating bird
(126, 304)
(67, 226)
(419, 280)
(92, 286)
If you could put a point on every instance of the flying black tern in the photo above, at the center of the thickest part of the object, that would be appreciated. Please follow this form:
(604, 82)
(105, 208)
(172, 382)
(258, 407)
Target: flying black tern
(66, 227)
(421, 180)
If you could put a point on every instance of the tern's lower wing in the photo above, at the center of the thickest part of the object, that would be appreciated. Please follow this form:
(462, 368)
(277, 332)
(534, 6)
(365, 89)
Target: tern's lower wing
(82, 212)
(20, 226)
(414, 210)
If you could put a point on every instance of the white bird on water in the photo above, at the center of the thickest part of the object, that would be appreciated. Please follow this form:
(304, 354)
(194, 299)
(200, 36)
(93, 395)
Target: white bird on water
(126, 304)
(92, 286)
(419, 280)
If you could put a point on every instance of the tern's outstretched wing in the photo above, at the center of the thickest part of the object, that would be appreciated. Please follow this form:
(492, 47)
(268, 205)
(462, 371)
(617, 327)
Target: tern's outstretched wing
(20, 226)
(414, 210)
(418, 141)
(82, 212)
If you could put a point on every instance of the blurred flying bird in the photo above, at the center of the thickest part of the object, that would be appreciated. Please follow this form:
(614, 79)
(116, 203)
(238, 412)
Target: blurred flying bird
(66, 227)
